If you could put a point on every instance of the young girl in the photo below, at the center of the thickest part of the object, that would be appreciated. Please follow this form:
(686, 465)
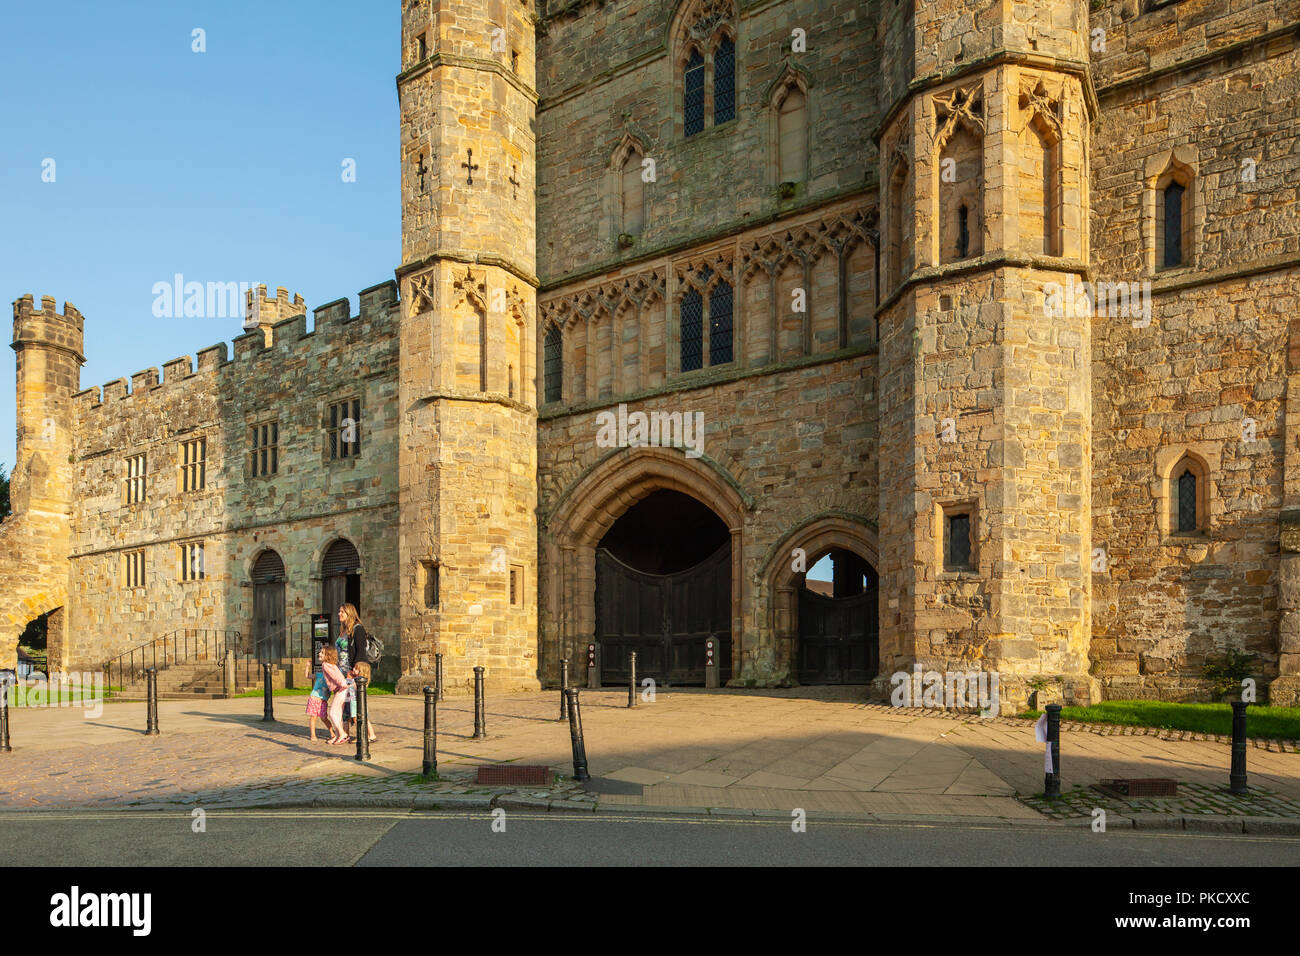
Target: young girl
(334, 678)
(316, 701)
(362, 669)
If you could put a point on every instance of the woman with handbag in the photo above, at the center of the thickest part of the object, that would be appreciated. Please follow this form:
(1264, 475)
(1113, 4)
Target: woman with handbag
(353, 636)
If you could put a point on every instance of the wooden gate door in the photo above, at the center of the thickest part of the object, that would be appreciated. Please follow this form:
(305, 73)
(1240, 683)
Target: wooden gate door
(268, 619)
(335, 595)
(665, 618)
(838, 640)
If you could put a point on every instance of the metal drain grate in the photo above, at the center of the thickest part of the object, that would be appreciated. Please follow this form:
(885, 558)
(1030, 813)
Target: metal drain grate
(504, 774)
(1140, 787)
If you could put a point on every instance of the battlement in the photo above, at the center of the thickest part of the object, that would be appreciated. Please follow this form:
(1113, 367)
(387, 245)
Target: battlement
(281, 338)
(263, 311)
(47, 325)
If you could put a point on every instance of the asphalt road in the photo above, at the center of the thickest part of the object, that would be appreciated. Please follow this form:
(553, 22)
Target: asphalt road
(400, 838)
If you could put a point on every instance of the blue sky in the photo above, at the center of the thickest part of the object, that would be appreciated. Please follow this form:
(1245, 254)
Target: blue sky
(225, 166)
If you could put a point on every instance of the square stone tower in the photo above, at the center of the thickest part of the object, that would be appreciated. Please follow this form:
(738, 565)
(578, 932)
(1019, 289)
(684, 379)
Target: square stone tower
(986, 386)
(468, 449)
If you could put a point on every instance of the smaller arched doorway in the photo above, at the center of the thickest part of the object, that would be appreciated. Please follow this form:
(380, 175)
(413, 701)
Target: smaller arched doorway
(340, 581)
(838, 632)
(268, 605)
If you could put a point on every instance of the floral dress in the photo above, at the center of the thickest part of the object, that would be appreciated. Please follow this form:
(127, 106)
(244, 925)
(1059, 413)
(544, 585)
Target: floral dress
(345, 665)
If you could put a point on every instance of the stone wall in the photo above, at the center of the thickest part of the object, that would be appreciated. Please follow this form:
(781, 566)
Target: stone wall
(311, 501)
(611, 73)
(1212, 93)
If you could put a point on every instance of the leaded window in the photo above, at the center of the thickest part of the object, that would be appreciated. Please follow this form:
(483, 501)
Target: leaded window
(720, 301)
(959, 544)
(553, 365)
(1173, 236)
(693, 107)
(692, 331)
(266, 449)
(1187, 501)
(136, 479)
(194, 454)
(343, 429)
(724, 81)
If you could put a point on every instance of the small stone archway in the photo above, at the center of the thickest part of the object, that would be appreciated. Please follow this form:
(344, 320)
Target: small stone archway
(815, 537)
(15, 617)
(589, 509)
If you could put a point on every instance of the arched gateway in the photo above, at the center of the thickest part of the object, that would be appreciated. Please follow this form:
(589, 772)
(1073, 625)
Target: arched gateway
(646, 548)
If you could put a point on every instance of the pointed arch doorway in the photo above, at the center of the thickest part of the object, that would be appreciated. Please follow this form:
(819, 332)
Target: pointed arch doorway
(838, 640)
(827, 626)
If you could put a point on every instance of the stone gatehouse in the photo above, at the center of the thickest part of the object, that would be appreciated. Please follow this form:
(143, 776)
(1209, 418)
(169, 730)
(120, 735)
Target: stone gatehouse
(991, 303)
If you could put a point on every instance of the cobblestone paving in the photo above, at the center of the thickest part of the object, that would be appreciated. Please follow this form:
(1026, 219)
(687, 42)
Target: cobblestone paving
(821, 748)
(1193, 798)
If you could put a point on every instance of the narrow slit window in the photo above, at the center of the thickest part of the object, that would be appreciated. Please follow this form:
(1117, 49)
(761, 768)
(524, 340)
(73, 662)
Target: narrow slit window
(1187, 501)
(1173, 232)
(431, 596)
(958, 556)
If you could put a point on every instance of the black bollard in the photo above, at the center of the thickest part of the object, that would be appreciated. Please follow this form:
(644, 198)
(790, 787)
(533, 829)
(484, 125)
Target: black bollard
(268, 711)
(1237, 775)
(362, 712)
(4, 716)
(151, 693)
(430, 765)
(631, 679)
(575, 736)
(1052, 781)
(564, 685)
(437, 675)
(480, 730)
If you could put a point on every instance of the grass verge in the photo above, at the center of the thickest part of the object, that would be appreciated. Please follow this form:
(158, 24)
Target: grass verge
(1265, 723)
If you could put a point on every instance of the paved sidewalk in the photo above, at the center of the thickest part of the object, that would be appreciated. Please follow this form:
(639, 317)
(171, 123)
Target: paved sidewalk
(729, 752)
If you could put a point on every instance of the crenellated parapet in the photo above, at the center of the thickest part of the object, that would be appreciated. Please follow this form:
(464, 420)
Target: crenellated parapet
(48, 326)
(283, 341)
